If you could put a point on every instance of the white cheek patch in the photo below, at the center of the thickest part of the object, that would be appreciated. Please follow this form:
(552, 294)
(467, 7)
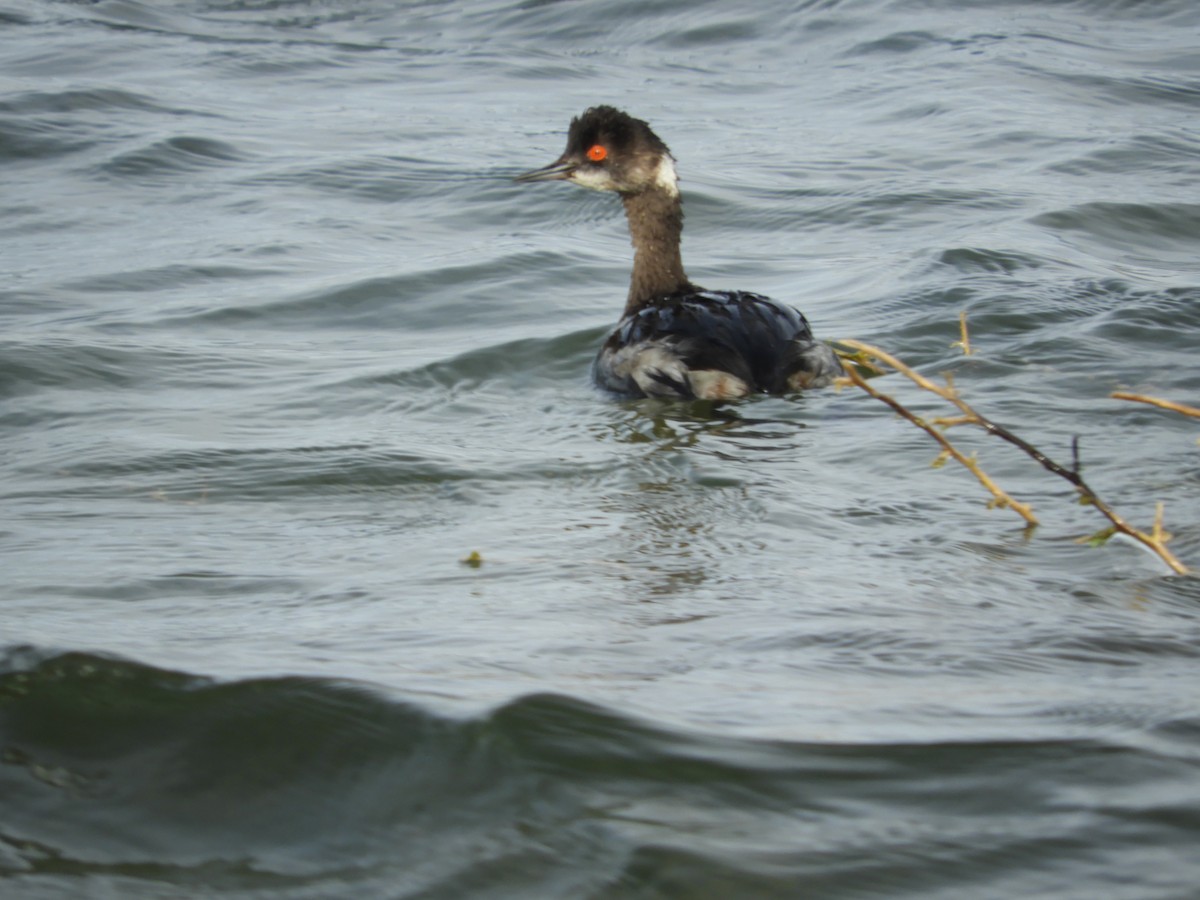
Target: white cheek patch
(593, 177)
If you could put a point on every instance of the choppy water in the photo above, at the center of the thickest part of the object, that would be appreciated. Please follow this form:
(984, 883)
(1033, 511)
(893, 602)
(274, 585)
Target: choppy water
(281, 345)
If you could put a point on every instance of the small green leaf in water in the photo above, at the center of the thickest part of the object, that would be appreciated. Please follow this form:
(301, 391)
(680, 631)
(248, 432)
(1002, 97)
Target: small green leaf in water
(1099, 538)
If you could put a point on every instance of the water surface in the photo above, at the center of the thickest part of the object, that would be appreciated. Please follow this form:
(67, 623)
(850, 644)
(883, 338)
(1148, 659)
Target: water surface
(281, 346)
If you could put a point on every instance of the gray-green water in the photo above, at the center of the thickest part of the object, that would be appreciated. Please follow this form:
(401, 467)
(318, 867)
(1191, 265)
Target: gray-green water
(281, 345)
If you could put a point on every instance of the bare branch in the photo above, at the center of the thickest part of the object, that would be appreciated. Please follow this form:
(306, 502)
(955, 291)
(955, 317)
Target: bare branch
(1000, 497)
(1156, 540)
(964, 340)
(1155, 401)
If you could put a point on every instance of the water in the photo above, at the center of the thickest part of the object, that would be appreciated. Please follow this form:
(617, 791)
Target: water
(282, 346)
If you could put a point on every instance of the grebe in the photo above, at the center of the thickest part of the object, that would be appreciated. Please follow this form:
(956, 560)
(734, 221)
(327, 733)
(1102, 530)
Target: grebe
(676, 339)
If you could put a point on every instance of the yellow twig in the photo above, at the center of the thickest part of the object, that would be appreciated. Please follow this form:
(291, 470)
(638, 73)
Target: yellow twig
(1155, 541)
(951, 421)
(1159, 533)
(857, 358)
(1001, 497)
(964, 340)
(1155, 401)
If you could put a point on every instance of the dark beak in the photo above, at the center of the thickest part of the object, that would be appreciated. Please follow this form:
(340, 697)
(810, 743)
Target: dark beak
(559, 170)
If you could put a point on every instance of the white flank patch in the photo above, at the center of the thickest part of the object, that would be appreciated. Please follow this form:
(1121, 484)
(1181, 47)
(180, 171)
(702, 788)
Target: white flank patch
(648, 362)
(642, 360)
(713, 384)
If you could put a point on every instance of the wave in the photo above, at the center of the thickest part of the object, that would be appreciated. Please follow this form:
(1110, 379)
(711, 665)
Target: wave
(127, 776)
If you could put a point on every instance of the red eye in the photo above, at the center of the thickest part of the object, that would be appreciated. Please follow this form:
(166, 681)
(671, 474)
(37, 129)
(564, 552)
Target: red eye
(597, 153)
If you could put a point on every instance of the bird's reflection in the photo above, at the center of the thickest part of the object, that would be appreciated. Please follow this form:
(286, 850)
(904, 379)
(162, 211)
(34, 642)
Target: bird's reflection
(694, 473)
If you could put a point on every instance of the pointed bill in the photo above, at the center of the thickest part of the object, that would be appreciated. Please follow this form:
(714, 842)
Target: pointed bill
(558, 170)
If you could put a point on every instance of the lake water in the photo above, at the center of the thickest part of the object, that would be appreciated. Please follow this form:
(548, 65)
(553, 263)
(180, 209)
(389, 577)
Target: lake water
(282, 345)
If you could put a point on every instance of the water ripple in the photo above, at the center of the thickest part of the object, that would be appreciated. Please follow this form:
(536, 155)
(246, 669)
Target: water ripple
(563, 795)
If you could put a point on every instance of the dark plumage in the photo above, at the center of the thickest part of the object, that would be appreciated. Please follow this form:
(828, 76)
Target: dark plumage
(676, 339)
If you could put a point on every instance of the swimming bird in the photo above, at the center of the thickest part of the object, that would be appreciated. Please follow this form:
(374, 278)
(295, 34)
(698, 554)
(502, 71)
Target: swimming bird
(676, 339)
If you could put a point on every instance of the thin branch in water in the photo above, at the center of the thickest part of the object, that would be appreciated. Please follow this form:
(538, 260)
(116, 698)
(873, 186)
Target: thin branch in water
(951, 421)
(1001, 498)
(1160, 533)
(1155, 401)
(1156, 540)
(858, 359)
(964, 339)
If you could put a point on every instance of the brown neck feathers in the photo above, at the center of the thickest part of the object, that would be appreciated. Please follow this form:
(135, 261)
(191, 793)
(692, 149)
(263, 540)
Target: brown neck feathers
(655, 225)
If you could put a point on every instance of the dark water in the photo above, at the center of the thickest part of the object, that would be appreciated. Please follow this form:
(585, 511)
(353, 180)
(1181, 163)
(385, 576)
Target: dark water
(281, 345)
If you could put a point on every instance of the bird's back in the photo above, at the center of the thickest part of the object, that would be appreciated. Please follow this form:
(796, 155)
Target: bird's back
(714, 345)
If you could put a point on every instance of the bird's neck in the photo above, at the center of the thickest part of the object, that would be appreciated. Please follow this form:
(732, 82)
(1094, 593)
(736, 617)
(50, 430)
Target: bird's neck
(655, 225)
